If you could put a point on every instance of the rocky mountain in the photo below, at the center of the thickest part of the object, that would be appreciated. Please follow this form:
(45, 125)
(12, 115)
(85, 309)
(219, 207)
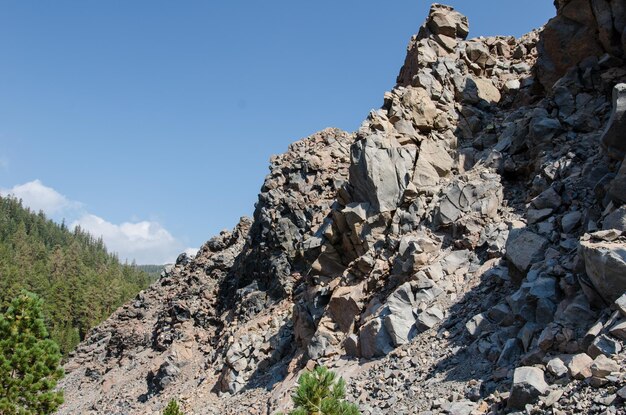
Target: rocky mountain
(463, 252)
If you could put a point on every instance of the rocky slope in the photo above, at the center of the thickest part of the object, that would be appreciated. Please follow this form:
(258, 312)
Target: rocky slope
(463, 252)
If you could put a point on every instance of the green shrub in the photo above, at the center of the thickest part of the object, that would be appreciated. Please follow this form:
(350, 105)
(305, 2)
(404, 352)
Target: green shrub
(172, 408)
(29, 360)
(320, 393)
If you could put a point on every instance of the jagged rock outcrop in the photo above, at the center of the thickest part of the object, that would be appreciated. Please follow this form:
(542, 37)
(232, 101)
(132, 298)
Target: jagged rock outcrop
(462, 252)
(582, 29)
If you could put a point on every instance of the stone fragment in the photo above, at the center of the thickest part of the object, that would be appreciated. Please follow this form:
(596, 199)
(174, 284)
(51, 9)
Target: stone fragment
(605, 345)
(436, 155)
(478, 53)
(619, 331)
(477, 325)
(553, 397)
(528, 385)
(603, 366)
(605, 263)
(429, 318)
(579, 366)
(557, 367)
(478, 90)
(400, 322)
(570, 221)
(616, 220)
(423, 109)
(374, 340)
(351, 345)
(524, 247)
(511, 351)
(461, 408)
(345, 305)
(537, 215)
(549, 198)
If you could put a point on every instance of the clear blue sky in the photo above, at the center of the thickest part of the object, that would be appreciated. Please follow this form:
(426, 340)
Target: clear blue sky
(164, 113)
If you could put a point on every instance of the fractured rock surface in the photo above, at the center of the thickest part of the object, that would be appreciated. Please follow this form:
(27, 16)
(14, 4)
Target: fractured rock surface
(462, 252)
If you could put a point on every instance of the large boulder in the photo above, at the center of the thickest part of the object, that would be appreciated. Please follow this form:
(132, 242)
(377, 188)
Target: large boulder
(524, 247)
(604, 254)
(380, 171)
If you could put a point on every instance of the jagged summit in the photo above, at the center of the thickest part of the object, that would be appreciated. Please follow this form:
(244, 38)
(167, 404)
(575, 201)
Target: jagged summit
(462, 252)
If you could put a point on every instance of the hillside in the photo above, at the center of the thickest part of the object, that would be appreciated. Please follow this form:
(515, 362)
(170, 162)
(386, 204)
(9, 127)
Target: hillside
(463, 252)
(81, 283)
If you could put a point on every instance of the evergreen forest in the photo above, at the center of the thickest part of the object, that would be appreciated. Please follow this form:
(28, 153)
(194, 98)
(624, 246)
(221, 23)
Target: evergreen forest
(80, 282)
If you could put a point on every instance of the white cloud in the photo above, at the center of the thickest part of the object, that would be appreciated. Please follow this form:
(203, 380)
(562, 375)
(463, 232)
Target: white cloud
(38, 196)
(146, 242)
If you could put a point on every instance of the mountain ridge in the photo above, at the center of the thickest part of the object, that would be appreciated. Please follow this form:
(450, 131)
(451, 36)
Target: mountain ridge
(460, 223)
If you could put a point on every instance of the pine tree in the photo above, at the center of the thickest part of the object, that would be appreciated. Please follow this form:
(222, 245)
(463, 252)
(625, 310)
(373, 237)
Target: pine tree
(320, 393)
(172, 408)
(29, 361)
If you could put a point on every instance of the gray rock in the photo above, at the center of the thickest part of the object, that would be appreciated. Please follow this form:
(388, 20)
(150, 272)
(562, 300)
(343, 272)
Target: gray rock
(605, 263)
(511, 351)
(478, 324)
(542, 287)
(603, 366)
(613, 138)
(619, 330)
(620, 304)
(544, 128)
(616, 220)
(528, 385)
(351, 345)
(476, 90)
(374, 339)
(617, 188)
(549, 198)
(455, 260)
(524, 247)
(380, 172)
(605, 345)
(570, 221)
(478, 53)
(579, 366)
(537, 215)
(544, 312)
(400, 320)
(557, 367)
(501, 315)
(429, 318)
(320, 345)
(461, 408)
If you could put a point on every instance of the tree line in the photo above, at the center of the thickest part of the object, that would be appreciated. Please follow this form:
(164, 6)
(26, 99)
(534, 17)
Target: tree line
(80, 282)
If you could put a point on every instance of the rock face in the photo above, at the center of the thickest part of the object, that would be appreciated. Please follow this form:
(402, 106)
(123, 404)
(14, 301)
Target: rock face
(446, 252)
(582, 29)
